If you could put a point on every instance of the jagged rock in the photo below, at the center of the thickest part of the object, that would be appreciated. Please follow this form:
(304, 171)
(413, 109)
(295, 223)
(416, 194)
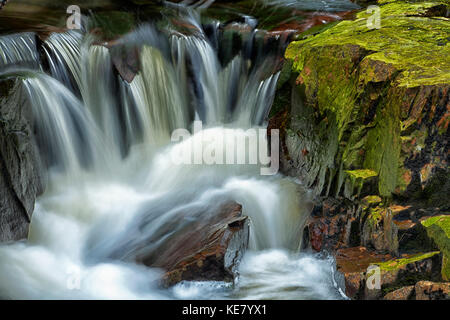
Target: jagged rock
(405, 293)
(20, 180)
(211, 250)
(427, 290)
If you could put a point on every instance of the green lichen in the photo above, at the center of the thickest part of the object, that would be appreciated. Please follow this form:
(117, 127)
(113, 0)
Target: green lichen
(398, 263)
(438, 229)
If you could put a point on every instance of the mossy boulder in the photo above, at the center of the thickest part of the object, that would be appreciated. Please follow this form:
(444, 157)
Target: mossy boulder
(438, 229)
(371, 100)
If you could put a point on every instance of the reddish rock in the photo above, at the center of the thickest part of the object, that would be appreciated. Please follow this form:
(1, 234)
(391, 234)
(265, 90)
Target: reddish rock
(211, 250)
(405, 293)
(352, 263)
(427, 290)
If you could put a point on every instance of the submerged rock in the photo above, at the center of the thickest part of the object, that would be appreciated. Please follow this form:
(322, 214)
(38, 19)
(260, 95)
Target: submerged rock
(210, 250)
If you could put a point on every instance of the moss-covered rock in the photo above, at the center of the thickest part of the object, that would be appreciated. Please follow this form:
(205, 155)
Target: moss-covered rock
(372, 100)
(438, 229)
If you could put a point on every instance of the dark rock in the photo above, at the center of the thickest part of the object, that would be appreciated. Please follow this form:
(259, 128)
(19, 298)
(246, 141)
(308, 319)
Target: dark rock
(210, 250)
(20, 180)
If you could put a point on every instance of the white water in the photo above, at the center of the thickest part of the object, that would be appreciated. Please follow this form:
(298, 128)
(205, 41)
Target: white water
(112, 185)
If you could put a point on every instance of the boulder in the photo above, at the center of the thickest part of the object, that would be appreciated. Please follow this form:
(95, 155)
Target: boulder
(427, 290)
(365, 110)
(210, 250)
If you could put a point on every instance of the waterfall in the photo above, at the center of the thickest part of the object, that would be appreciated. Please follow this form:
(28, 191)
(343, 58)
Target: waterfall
(112, 184)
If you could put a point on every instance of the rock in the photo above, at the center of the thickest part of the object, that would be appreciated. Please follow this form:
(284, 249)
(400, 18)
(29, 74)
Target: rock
(427, 290)
(211, 250)
(405, 271)
(379, 230)
(360, 266)
(359, 101)
(20, 180)
(405, 293)
(438, 229)
(353, 264)
(125, 60)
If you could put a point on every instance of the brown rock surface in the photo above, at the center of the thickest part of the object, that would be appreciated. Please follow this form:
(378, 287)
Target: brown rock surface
(211, 250)
(405, 293)
(427, 290)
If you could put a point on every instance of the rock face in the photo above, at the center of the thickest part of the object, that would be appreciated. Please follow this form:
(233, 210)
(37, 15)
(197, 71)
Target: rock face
(210, 250)
(438, 229)
(363, 114)
(427, 290)
(20, 182)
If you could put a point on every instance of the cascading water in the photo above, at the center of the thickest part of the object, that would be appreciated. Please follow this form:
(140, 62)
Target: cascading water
(112, 183)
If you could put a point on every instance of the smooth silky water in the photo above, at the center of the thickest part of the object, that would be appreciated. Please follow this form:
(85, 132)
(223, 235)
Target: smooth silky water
(112, 184)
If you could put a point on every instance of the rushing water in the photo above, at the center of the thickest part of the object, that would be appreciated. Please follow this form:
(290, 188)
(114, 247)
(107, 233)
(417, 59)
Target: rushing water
(112, 184)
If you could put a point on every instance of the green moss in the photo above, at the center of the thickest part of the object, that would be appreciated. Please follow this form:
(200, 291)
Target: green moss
(397, 263)
(361, 174)
(438, 229)
(416, 46)
(371, 200)
(401, 8)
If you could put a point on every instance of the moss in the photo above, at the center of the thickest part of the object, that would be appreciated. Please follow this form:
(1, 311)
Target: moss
(371, 200)
(401, 8)
(361, 174)
(113, 23)
(397, 263)
(438, 229)
(416, 46)
(359, 82)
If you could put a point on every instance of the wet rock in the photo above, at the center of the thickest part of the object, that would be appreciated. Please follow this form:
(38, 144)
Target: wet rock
(405, 293)
(211, 250)
(427, 290)
(125, 60)
(20, 177)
